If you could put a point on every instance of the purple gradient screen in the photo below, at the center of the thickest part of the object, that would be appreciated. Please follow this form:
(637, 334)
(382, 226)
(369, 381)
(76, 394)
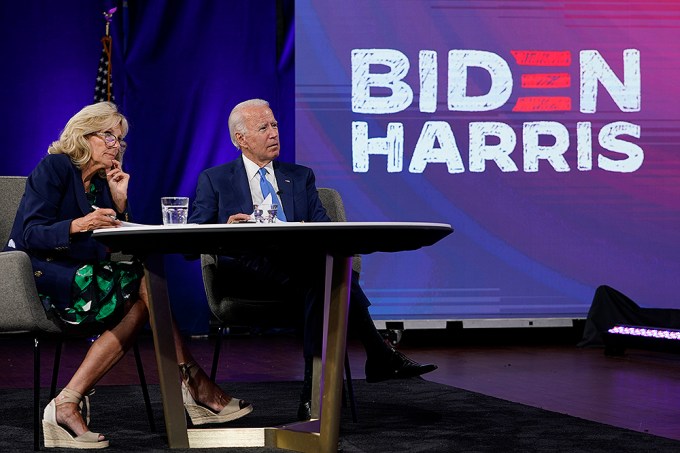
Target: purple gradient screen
(546, 133)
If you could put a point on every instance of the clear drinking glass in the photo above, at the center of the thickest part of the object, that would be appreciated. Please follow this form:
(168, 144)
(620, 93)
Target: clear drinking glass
(271, 211)
(257, 213)
(175, 210)
(265, 213)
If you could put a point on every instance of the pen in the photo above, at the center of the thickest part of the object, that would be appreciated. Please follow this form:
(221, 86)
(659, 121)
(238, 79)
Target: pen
(108, 215)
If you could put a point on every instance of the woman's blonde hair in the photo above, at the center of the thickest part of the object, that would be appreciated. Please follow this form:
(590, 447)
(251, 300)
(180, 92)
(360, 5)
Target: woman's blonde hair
(99, 117)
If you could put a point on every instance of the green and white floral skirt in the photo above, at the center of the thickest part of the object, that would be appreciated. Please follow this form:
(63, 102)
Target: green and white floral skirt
(100, 292)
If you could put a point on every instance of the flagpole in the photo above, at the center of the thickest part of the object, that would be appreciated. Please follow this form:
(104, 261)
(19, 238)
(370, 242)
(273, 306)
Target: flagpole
(107, 43)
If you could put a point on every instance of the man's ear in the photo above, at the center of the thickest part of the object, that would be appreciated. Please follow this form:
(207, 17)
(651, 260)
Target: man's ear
(240, 139)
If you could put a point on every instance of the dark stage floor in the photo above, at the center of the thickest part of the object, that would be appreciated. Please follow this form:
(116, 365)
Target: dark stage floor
(537, 367)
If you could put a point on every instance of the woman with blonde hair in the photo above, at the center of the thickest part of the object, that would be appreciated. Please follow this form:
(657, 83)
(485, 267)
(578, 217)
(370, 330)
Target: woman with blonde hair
(80, 186)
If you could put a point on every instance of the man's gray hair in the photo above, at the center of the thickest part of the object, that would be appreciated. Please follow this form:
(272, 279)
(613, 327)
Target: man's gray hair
(237, 119)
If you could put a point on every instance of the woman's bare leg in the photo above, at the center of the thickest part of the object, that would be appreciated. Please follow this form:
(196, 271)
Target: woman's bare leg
(202, 389)
(104, 353)
(110, 347)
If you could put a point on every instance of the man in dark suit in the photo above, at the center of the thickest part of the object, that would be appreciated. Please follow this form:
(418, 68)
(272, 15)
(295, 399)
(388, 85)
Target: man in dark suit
(227, 193)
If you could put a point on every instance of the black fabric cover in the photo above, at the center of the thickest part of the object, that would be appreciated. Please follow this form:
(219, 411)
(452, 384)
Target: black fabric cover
(611, 307)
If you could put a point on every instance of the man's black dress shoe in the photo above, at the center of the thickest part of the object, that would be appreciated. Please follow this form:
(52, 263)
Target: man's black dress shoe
(304, 411)
(394, 365)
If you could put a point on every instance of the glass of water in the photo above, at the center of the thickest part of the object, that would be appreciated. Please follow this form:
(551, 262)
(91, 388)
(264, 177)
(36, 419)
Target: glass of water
(175, 210)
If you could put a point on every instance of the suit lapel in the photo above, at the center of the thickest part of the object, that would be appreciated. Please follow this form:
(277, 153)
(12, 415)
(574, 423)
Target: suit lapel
(239, 183)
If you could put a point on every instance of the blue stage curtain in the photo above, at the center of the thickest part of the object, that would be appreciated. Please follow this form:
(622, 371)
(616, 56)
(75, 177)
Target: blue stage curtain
(178, 69)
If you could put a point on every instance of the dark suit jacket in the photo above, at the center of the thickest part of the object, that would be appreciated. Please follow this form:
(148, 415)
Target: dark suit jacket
(55, 196)
(223, 191)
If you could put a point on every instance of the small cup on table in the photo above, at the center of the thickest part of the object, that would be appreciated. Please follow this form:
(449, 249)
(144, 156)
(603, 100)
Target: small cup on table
(265, 213)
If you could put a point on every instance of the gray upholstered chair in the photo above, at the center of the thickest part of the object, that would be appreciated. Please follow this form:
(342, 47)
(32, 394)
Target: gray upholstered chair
(230, 311)
(23, 312)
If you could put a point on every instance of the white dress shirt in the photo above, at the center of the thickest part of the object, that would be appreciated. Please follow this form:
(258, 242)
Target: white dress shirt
(253, 172)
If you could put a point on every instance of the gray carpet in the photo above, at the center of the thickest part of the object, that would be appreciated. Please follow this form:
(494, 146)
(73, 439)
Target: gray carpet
(398, 416)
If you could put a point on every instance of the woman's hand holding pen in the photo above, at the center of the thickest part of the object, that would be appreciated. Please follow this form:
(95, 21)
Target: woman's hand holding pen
(99, 218)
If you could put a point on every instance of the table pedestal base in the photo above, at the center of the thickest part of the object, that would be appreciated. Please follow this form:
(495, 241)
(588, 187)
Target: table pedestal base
(307, 439)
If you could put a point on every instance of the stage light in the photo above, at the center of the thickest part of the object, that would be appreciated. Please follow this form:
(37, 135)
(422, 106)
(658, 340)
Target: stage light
(620, 337)
(648, 332)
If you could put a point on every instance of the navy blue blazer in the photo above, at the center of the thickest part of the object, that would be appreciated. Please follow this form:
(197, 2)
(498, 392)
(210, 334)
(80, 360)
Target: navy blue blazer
(54, 196)
(223, 191)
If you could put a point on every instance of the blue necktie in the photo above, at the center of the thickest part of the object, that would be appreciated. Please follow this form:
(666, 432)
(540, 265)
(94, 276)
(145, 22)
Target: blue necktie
(267, 189)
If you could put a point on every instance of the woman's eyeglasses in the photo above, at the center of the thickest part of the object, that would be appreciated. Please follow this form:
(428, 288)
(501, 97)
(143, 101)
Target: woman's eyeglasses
(110, 140)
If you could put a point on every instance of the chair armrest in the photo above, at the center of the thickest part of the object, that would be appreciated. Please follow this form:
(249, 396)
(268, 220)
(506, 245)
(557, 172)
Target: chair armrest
(22, 308)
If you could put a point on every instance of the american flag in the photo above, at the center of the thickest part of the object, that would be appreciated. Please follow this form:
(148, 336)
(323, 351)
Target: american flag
(103, 87)
(104, 83)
